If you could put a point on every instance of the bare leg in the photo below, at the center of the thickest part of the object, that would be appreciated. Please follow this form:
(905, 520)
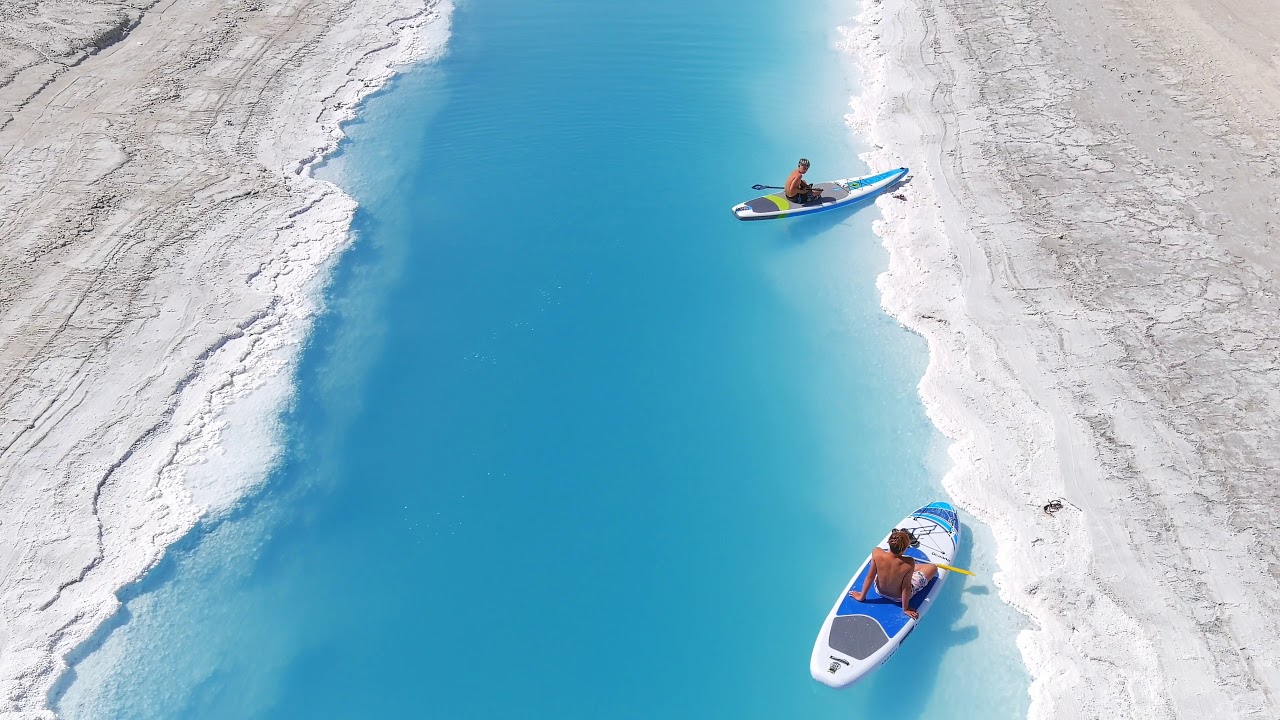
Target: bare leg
(930, 570)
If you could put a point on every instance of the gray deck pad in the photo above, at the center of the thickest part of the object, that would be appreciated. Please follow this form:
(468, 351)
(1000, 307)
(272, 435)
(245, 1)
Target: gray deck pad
(857, 636)
(831, 193)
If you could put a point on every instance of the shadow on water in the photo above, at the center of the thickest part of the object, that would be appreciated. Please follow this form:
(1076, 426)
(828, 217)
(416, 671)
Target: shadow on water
(922, 654)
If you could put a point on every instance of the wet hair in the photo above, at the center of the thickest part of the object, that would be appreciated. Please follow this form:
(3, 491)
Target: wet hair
(804, 162)
(898, 541)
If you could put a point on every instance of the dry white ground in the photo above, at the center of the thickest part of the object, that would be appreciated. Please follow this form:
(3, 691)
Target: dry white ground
(161, 248)
(1091, 244)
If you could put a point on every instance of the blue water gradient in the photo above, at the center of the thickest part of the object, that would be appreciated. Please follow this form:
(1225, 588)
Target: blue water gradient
(572, 442)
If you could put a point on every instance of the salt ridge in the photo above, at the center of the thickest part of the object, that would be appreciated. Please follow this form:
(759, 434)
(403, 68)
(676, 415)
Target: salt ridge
(924, 289)
(204, 442)
(1139, 589)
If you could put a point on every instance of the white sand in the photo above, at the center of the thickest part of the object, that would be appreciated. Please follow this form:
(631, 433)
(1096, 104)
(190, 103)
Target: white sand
(162, 249)
(1090, 245)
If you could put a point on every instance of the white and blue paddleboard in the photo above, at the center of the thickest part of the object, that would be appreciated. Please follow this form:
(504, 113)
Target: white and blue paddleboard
(836, 193)
(859, 637)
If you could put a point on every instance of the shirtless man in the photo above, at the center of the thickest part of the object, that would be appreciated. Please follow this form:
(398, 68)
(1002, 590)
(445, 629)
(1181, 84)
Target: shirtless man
(895, 574)
(797, 189)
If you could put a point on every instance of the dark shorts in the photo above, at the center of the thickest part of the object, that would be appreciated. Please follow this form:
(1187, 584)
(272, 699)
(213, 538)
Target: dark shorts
(802, 199)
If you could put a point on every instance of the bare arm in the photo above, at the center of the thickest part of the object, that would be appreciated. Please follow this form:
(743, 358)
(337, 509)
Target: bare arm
(866, 584)
(906, 592)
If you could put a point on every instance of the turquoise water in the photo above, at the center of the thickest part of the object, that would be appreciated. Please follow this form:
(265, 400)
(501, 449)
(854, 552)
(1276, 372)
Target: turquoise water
(571, 441)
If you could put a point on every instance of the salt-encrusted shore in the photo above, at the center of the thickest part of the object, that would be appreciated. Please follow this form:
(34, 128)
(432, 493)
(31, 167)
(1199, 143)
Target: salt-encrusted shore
(1090, 244)
(162, 252)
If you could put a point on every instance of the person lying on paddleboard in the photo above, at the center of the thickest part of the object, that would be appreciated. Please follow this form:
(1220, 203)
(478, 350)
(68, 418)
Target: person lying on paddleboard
(798, 190)
(895, 574)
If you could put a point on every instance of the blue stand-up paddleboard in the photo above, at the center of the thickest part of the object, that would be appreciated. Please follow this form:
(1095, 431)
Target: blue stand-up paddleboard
(836, 193)
(858, 637)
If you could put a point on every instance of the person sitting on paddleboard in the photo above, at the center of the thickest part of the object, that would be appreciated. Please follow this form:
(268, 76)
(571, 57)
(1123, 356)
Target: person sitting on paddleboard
(798, 190)
(895, 574)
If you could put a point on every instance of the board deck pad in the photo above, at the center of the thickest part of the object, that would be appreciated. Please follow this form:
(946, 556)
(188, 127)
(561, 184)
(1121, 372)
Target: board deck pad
(859, 636)
(836, 193)
(831, 193)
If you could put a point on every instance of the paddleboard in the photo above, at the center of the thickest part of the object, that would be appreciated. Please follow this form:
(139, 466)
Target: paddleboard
(859, 637)
(836, 193)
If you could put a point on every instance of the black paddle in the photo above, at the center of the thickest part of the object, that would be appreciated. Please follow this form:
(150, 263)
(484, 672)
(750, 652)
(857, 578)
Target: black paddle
(767, 187)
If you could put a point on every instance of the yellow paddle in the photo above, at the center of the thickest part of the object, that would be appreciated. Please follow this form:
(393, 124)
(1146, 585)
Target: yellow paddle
(953, 569)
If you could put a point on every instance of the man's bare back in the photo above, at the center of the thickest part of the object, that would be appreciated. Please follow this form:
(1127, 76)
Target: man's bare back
(891, 570)
(796, 188)
(896, 575)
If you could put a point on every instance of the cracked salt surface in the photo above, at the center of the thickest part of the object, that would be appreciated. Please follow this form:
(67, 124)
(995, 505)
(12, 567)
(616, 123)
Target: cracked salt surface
(1090, 249)
(163, 253)
(1089, 245)
(431, 528)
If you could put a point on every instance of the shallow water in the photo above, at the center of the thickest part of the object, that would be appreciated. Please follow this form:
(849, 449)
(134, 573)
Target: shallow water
(572, 441)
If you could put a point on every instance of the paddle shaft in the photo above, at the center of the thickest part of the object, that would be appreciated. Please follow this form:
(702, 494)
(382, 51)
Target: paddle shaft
(779, 187)
(962, 571)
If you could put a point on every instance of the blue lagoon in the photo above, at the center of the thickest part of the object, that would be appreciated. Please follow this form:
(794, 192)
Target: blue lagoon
(571, 441)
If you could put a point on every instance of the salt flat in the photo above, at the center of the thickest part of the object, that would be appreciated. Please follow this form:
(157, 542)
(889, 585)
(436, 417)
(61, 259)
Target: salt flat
(161, 250)
(1090, 244)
